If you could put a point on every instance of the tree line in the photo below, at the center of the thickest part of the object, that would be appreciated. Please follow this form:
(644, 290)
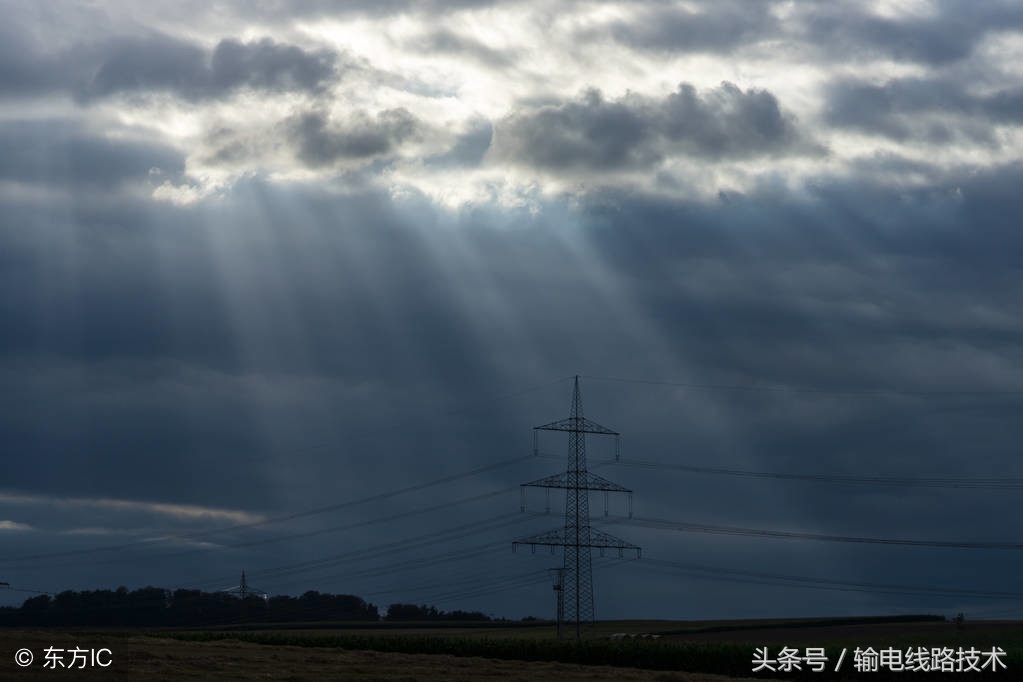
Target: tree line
(157, 607)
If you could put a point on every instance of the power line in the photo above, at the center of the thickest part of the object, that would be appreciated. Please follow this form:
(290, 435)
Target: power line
(318, 510)
(484, 586)
(468, 578)
(400, 567)
(806, 389)
(374, 551)
(794, 535)
(294, 536)
(398, 546)
(919, 482)
(783, 580)
(993, 483)
(290, 517)
(419, 562)
(23, 589)
(403, 545)
(502, 584)
(506, 582)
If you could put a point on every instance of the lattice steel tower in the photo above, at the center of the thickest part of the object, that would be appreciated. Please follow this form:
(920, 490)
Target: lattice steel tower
(577, 538)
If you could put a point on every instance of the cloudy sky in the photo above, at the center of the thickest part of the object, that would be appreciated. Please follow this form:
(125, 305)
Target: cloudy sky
(270, 268)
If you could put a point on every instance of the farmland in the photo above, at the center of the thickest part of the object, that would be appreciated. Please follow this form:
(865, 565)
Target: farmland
(138, 656)
(415, 651)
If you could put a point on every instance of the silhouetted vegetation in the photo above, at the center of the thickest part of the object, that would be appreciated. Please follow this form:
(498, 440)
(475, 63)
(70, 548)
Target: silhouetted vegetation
(405, 612)
(153, 607)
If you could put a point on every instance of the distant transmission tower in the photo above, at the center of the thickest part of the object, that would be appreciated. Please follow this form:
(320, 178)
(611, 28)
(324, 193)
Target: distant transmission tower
(577, 538)
(559, 593)
(244, 590)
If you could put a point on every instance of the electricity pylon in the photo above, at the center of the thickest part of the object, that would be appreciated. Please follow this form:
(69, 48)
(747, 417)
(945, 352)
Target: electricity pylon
(559, 594)
(577, 538)
(243, 590)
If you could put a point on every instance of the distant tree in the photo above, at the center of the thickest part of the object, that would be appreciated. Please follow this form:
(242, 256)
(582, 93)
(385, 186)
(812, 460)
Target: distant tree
(9, 616)
(153, 606)
(407, 612)
(466, 615)
(413, 612)
(35, 611)
(37, 603)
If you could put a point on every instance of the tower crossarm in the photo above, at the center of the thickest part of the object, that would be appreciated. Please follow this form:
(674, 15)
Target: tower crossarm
(603, 540)
(577, 424)
(586, 481)
(593, 539)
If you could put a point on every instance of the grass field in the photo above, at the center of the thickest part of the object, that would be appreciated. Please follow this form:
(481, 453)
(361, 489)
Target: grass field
(142, 657)
(695, 650)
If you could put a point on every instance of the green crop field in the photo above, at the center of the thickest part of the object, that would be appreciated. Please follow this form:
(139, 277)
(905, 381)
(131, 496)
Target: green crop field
(717, 647)
(685, 650)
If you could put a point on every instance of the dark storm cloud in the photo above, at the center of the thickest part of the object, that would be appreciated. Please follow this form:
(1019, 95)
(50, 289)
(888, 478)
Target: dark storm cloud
(160, 63)
(947, 35)
(895, 166)
(927, 40)
(319, 9)
(165, 64)
(23, 70)
(937, 110)
(638, 132)
(63, 153)
(719, 27)
(270, 66)
(469, 148)
(837, 31)
(446, 41)
(591, 133)
(321, 142)
(870, 264)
